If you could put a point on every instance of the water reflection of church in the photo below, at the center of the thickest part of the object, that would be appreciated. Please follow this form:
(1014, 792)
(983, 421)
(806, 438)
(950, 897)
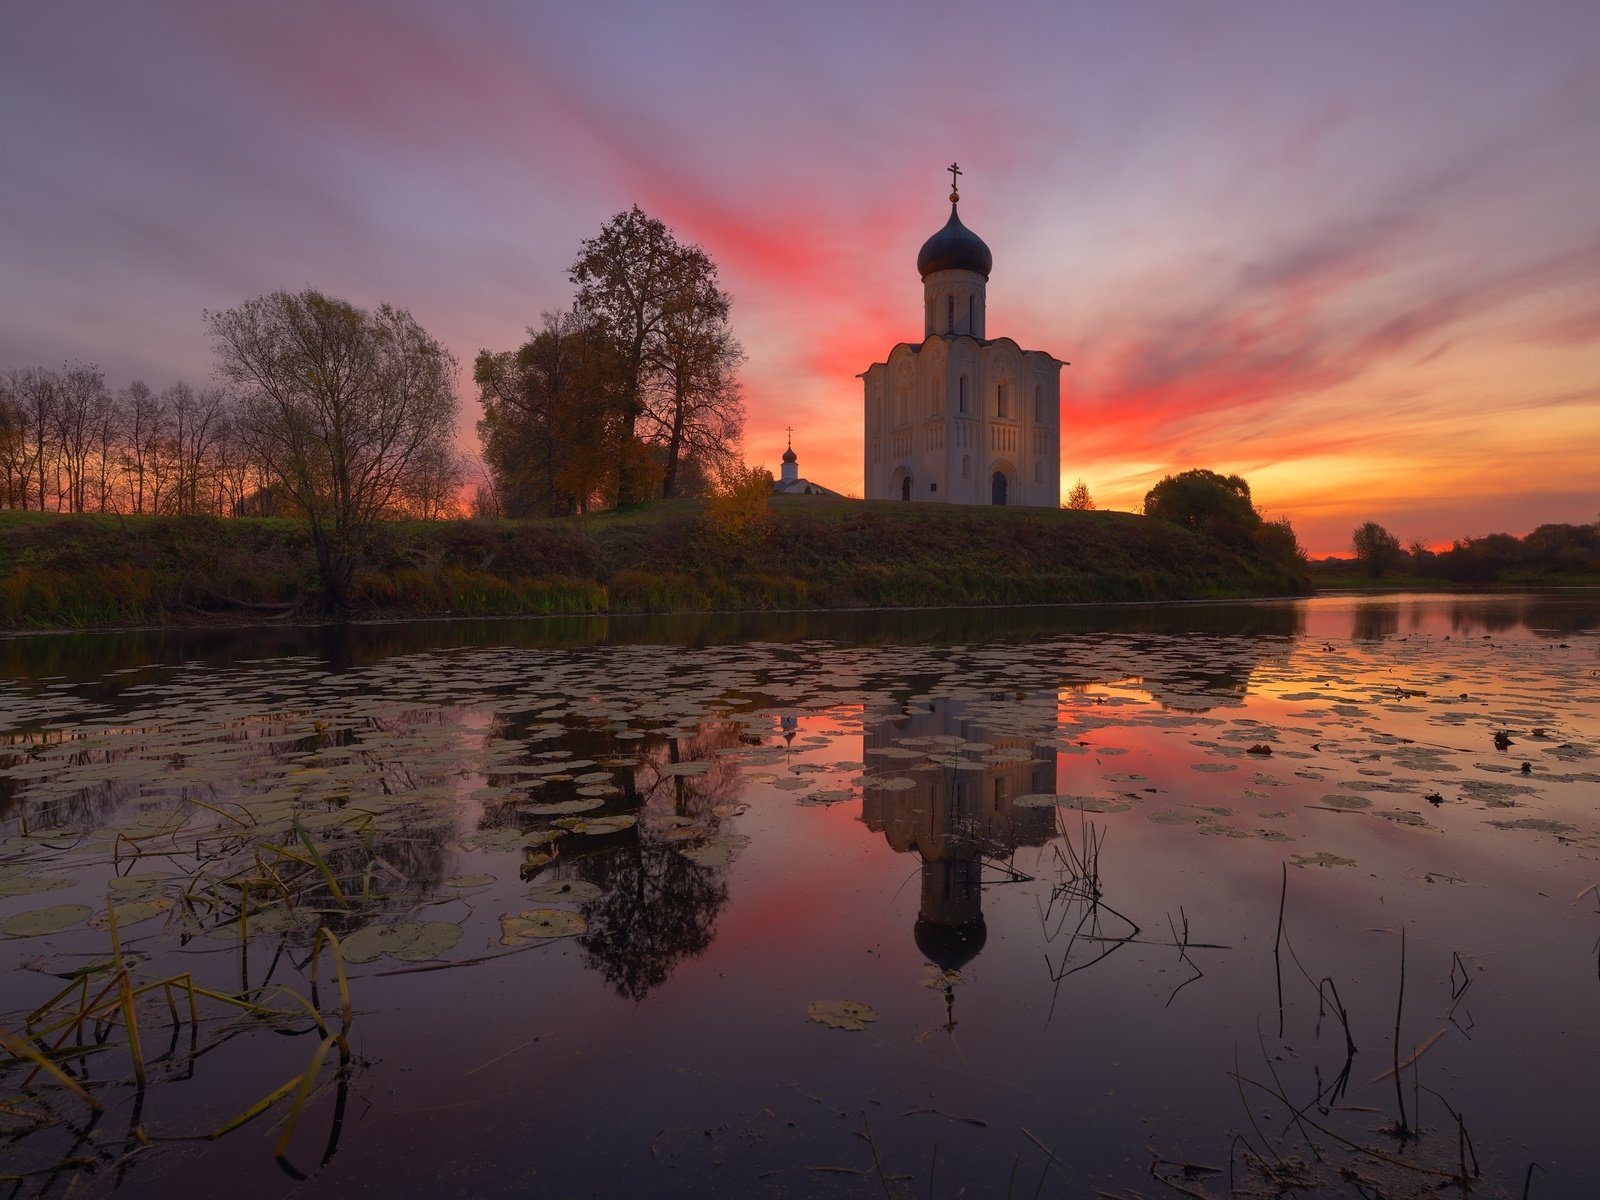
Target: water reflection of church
(954, 817)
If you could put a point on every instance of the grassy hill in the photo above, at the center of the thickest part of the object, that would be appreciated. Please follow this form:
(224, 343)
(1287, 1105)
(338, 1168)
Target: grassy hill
(59, 571)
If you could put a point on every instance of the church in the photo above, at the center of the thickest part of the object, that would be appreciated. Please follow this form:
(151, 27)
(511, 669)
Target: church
(961, 417)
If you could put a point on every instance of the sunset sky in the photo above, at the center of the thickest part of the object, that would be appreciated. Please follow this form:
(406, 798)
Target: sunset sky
(1350, 251)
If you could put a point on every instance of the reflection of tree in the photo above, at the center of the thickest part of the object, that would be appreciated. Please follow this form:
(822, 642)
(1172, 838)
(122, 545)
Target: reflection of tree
(1375, 621)
(954, 817)
(658, 908)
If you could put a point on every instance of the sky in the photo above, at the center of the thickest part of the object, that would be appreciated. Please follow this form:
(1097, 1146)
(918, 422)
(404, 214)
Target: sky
(1349, 251)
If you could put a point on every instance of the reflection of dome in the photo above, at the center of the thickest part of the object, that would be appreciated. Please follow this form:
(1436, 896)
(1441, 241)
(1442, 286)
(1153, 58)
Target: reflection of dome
(954, 248)
(950, 947)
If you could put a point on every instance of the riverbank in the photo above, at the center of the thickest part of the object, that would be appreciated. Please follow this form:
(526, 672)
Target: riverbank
(93, 570)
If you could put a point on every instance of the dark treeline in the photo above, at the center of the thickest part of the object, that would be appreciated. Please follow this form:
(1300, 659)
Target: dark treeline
(1552, 551)
(68, 443)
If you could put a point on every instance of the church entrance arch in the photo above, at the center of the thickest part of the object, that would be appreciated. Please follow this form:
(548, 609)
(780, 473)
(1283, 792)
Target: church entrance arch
(901, 483)
(1002, 484)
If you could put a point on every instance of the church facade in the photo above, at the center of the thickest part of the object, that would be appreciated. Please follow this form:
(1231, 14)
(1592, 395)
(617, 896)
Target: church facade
(960, 417)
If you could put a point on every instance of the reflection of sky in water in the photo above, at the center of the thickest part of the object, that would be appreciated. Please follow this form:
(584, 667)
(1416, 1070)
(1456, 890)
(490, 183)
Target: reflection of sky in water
(1051, 864)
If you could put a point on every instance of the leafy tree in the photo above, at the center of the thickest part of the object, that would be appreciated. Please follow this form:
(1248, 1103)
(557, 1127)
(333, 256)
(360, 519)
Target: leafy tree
(1206, 502)
(1078, 498)
(553, 431)
(342, 408)
(659, 303)
(1276, 541)
(1377, 550)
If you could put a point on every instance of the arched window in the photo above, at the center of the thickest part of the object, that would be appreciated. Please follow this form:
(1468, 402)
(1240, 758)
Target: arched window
(1038, 472)
(966, 466)
(1038, 403)
(951, 313)
(1000, 400)
(972, 315)
(963, 394)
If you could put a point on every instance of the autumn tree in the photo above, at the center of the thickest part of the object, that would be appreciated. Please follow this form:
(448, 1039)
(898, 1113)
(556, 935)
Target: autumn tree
(659, 302)
(553, 427)
(739, 509)
(342, 407)
(1078, 498)
(1377, 550)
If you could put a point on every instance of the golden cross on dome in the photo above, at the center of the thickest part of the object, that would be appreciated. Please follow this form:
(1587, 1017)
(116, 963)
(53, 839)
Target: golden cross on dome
(954, 171)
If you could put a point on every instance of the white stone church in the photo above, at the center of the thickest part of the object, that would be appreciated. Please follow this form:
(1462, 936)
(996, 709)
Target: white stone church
(961, 417)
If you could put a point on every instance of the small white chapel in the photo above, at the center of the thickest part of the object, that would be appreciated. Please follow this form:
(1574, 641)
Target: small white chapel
(961, 417)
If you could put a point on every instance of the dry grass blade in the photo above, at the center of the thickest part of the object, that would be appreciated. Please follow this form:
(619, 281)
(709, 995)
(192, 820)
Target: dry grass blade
(307, 1082)
(256, 1109)
(19, 1048)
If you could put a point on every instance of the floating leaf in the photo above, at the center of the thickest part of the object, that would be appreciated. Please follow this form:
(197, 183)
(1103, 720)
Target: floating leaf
(718, 852)
(1536, 823)
(562, 807)
(595, 826)
(132, 913)
(841, 1014)
(556, 890)
(540, 923)
(37, 922)
(467, 881)
(27, 885)
(1322, 859)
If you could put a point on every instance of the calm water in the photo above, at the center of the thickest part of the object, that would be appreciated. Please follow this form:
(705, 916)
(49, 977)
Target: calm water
(1111, 897)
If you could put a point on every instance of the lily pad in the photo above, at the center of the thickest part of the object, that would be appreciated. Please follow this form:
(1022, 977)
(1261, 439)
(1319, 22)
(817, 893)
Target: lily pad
(560, 807)
(598, 826)
(842, 1014)
(718, 851)
(410, 941)
(1322, 859)
(556, 890)
(468, 881)
(37, 922)
(27, 885)
(516, 928)
(132, 913)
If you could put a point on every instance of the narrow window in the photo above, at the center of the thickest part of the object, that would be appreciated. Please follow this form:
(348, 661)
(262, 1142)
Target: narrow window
(951, 315)
(1000, 399)
(934, 486)
(1038, 472)
(963, 393)
(966, 466)
(972, 308)
(1038, 404)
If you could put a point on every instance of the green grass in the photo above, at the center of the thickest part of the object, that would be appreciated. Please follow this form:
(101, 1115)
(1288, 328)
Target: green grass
(67, 571)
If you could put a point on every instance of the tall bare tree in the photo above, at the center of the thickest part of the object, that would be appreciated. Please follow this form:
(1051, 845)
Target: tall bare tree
(694, 401)
(143, 420)
(343, 407)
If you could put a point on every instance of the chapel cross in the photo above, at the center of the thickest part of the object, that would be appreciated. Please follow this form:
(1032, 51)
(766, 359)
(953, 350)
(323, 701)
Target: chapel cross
(790, 430)
(954, 171)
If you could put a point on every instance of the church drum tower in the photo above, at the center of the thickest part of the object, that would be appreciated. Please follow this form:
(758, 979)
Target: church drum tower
(960, 417)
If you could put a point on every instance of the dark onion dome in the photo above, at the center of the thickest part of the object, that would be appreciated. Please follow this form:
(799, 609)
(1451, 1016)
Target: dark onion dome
(949, 947)
(789, 455)
(954, 248)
